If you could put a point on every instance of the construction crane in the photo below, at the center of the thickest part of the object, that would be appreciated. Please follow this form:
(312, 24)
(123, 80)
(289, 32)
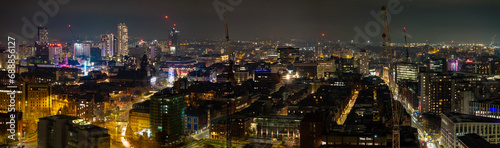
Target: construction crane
(230, 77)
(70, 30)
(396, 137)
(493, 41)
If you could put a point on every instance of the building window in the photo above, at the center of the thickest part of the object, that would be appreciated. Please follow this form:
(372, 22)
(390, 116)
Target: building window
(194, 119)
(189, 126)
(195, 127)
(189, 119)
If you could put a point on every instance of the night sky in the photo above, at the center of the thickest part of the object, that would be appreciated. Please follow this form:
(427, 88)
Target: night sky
(432, 20)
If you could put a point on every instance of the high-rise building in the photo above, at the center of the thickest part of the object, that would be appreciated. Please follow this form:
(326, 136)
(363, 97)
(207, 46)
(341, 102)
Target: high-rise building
(122, 47)
(318, 51)
(173, 41)
(43, 36)
(38, 100)
(55, 53)
(107, 45)
(81, 50)
(61, 131)
(364, 67)
(436, 93)
(167, 117)
(406, 72)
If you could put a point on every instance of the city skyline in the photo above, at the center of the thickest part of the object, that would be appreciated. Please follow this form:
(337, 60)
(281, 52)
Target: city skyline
(250, 73)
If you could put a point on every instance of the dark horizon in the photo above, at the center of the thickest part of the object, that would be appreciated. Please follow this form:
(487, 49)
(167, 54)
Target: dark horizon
(435, 22)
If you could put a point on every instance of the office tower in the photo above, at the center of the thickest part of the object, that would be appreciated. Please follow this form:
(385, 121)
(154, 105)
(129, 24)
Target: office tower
(55, 53)
(325, 67)
(43, 36)
(122, 48)
(364, 67)
(406, 72)
(81, 50)
(318, 51)
(173, 41)
(153, 52)
(38, 100)
(61, 131)
(167, 117)
(107, 45)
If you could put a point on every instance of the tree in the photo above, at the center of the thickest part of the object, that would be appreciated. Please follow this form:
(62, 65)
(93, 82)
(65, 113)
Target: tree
(31, 125)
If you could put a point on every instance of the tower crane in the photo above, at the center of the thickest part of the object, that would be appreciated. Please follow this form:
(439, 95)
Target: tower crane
(74, 37)
(396, 115)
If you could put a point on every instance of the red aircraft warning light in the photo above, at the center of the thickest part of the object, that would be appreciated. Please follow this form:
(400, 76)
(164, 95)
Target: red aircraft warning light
(166, 16)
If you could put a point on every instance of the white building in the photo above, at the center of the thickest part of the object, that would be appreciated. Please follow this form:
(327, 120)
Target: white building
(107, 45)
(55, 53)
(454, 125)
(81, 49)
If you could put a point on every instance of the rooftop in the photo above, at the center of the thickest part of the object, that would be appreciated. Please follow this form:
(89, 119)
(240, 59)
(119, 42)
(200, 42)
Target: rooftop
(461, 118)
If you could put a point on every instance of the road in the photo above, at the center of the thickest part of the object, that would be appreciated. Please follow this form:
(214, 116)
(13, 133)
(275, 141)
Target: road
(201, 135)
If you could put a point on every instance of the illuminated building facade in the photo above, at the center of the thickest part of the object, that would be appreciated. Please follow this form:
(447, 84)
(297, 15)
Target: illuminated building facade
(325, 67)
(279, 127)
(486, 108)
(107, 45)
(38, 100)
(167, 117)
(435, 92)
(81, 50)
(5, 100)
(173, 41)
(139, 120)
(406, 72)
(55, 53)
(43, 36)
(364, 63)
(122, 48)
